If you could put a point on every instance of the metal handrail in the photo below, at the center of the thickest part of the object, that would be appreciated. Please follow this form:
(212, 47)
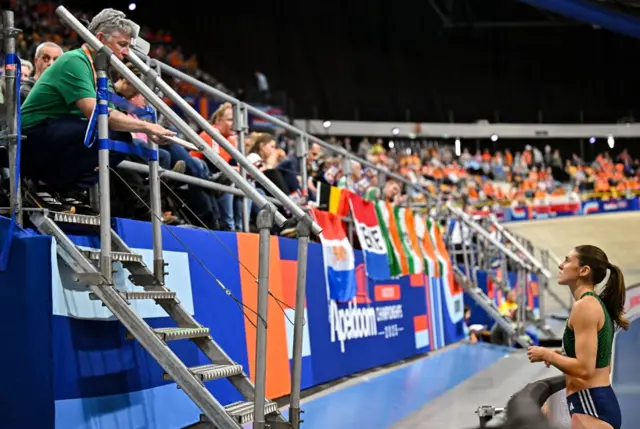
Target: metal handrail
(242, 160)
(282, 124)
(162, 107)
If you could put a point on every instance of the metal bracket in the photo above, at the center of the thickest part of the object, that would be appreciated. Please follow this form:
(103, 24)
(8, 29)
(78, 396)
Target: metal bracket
(12, 137)
(302, 148)
(279, 425)
(144, 280)
(11, 32)
(240, 118)
(90, 279)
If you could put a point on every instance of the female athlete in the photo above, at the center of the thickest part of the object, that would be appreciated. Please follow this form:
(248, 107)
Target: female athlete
(588, 338)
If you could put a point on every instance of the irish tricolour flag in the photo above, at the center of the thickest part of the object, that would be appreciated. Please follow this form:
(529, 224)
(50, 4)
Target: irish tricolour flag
(398, 228)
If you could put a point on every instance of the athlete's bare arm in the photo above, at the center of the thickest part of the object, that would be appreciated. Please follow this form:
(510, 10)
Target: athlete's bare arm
(584, 321)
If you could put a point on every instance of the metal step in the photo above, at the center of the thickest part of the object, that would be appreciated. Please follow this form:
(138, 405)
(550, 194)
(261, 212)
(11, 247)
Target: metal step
(242, 411)
(94, 255)
(170, 334)
(75, 218)
(211, 372)
(142, 295)
(140, 273)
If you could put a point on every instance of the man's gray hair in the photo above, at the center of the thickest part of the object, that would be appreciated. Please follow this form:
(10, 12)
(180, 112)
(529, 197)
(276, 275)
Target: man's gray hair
(43, 45)
(110, 21)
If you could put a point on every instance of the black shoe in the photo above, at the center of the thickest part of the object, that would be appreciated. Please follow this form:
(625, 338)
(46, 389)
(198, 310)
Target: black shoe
(79, 200)
(43, 199)
(289, 228)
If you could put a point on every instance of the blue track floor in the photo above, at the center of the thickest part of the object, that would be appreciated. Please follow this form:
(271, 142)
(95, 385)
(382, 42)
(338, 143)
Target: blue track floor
(382, 401)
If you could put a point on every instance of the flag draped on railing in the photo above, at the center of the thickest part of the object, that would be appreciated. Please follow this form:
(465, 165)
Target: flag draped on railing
(339, 264)
(371, 238)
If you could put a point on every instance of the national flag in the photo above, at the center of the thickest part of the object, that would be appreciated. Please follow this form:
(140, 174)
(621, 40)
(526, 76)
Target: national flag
(339, 201)
(452, 291)
(337, 253)
(332, 199)
(371, 238)
(406, 227)
(398, 264)
(426, 245)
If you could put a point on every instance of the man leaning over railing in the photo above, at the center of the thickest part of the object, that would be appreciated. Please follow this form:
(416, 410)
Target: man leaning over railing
(54, 118)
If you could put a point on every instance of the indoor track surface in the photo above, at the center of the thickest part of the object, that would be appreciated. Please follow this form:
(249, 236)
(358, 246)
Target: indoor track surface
(615, 233)
(444, 389)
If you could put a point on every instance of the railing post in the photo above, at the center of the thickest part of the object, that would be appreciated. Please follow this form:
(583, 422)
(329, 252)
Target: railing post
(156, 214)
(265, 223)
(543, 284)
(12, 99)
(241, 126)
(303, 232)
(521, 299)
(102, 106)
(302, 150)
(466, 257)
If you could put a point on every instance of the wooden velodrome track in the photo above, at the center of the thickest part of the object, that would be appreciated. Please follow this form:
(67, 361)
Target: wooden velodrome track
(618, 234)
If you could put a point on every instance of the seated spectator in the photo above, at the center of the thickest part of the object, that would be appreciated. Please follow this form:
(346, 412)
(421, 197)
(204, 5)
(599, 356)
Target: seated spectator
(290, 169)
(131, 94)
(27, 68)
(46, 54)
(54, 116)
(230, 207)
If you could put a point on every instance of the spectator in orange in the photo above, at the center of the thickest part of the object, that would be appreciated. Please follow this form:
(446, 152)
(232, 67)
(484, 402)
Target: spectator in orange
(230, 207)
(221, 120)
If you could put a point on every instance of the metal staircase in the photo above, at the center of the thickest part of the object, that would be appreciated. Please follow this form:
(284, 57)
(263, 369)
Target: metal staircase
(489, 305)
(94, 268)
(85, 265)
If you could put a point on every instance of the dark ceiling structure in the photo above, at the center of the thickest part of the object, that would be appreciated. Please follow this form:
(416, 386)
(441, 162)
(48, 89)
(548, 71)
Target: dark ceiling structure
(620, 16)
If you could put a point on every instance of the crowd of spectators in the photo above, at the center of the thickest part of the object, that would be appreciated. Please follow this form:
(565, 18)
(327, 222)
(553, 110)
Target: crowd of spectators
(484, 178)
(59, 169)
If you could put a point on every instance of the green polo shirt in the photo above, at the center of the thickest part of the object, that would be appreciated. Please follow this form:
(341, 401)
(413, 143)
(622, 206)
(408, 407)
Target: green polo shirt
(67, 80)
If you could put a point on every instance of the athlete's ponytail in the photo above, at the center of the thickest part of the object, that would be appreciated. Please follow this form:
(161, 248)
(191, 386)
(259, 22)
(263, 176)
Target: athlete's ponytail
(614, 292)
(613, 295)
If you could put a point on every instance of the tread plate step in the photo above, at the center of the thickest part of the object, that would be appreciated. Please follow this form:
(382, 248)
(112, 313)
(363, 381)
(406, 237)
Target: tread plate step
(75, 218)
(159, 295)
(242, 411)
(170, 334)
(211, 372)
(169, 296)
(94, 255)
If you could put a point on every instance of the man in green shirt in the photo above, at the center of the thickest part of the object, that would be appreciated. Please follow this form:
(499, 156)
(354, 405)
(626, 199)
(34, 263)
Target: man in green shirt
(55, 115)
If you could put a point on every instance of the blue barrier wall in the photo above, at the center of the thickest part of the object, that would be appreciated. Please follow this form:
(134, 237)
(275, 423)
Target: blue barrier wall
(74, 369)
(70, 366)
(26, 397)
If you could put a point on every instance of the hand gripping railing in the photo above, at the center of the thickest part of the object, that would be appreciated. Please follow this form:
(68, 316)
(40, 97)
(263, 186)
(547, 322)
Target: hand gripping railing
(266, 217)
(303, 137)
(219, 139)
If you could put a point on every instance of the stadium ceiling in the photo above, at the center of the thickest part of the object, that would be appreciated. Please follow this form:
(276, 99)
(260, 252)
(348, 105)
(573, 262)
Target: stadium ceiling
(620, 16)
